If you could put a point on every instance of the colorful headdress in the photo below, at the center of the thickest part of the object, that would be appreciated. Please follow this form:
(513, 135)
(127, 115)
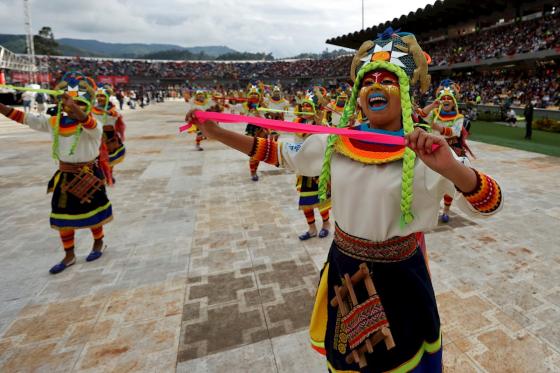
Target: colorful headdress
(276, 92)
(399, 53)
(197, 94)
(447, 87)
(80, 88)
(105, 89)
(253, 89)
(310, 98)
(322, 95)
(342, 94)
(397, 48)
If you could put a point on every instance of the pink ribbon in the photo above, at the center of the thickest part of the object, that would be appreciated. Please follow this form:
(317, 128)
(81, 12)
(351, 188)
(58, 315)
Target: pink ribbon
(282, 126)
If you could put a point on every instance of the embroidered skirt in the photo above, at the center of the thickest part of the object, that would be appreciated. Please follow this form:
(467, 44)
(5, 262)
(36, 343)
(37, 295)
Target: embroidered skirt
(68, 211)
(308, 188)
(401, 278)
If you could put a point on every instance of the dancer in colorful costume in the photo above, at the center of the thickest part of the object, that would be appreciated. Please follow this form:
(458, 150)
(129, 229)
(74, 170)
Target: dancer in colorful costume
(444, 117)
(335, 108)
(276, 101)
(106, 114)
(254, 100)
(383, 198)
(79, 198)
(200, 101)
(308, 186)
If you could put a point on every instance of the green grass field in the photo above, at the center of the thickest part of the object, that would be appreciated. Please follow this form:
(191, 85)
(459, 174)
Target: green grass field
(513, 137)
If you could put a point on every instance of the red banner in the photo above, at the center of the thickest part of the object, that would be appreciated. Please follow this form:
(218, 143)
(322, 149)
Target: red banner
(25, 78)
(113, 79)
(2, 77)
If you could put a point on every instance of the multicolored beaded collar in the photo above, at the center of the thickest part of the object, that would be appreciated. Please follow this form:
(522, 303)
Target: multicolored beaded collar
(66, 127)
(369, 152)
(447, 116)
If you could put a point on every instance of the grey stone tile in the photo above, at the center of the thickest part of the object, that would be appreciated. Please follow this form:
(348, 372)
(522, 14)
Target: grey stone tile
(256, 357)
(293, 354)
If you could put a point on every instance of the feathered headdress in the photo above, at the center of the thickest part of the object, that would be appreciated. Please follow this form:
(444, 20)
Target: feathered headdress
(78, 86)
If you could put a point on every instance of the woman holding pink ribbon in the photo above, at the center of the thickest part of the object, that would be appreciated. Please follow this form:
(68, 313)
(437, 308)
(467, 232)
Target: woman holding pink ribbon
(375, 286)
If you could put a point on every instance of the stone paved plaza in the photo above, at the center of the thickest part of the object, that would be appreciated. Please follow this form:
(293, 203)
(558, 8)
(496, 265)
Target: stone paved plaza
(204, 271)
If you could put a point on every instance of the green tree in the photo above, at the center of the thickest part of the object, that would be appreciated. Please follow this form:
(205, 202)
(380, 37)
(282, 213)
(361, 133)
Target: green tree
(45, 43)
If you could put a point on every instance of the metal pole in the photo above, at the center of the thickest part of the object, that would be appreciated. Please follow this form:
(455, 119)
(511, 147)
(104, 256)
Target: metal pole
(362, 14)
(29, 38)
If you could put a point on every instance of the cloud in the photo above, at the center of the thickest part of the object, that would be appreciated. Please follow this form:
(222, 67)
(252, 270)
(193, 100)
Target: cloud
(285, 27)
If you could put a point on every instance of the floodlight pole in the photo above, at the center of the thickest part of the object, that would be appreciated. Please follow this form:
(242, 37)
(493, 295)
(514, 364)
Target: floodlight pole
(362, 14)
(29, 38)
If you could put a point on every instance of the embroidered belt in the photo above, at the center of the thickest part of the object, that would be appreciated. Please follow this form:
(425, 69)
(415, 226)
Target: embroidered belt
(392, 250)
(84, 184)
(75, 168)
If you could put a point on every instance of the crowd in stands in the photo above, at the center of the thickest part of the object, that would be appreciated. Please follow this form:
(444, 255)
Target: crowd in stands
(191, 70)
(505, 40)
(515, 86)
(541, 86)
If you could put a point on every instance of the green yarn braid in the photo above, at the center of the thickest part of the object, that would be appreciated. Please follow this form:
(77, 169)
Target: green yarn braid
(76, 139)
(408, 126)
(409, 155)
(56, 136)
(105, 107)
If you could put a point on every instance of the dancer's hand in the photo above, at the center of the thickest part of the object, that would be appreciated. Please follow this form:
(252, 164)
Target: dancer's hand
(431, 107)
(72, 108)
(441, 160)
(208, 127)
(422, 142)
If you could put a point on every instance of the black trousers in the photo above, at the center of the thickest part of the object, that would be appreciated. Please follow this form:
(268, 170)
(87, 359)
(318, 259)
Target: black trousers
(529, 129)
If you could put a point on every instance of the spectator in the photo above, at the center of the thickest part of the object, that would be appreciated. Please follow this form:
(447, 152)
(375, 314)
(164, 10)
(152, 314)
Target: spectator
(120, 98)
(528, 112)
(27, 98)
(511, 117)
(41, 100)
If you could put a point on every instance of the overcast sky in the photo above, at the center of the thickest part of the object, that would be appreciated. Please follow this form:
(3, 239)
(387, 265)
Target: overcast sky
(283, 27)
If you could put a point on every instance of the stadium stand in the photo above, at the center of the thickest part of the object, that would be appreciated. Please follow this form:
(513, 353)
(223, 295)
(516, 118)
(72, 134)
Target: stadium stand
(500, 52)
